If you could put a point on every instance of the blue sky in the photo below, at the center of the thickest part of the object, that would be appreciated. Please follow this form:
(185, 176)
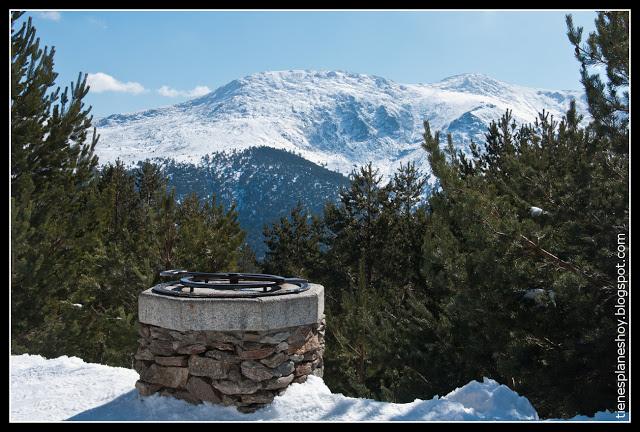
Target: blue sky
(146, 59)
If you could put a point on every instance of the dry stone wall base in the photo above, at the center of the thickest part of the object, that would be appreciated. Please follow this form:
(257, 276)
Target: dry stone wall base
(244, 369)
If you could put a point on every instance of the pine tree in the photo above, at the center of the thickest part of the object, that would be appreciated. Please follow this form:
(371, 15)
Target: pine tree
(208, 237)
(150, 183)
(405, 219)
(168, 230)
(356, 227)
(52, 176)
(607, 47)
(247, 261)
(518, 248)
(294, 245)
(97, 322)
(151, 186)
(85, 242)
(125, 268)
(371, 265)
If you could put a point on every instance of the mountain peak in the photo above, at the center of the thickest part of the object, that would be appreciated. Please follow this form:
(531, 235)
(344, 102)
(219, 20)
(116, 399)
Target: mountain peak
(469, 75)
(477, 83)
(312, 75)
(333, 117)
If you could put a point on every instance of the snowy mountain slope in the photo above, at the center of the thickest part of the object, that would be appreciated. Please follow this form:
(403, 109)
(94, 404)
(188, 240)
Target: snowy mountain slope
(332, 118)
(66, 388)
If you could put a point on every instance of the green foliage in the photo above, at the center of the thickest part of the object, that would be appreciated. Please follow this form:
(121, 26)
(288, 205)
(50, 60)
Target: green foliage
(209, 238)
(492, 252)
(509, 270)
(247, 261)
(50, 181)
(85, 242)
(293, 245)
(608, 48)
(366, 251)
(528, 296)
(264, 183)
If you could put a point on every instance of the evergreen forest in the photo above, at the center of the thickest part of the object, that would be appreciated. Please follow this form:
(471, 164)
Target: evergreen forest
(505, 269)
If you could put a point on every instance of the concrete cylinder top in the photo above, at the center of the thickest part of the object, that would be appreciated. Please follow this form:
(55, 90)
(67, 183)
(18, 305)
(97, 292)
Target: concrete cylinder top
(232, 314)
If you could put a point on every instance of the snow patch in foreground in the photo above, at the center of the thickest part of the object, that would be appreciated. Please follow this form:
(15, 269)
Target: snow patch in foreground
(50, 390)
(67, 388)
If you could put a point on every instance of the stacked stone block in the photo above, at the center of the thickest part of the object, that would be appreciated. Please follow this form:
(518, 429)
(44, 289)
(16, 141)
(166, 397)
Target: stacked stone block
(246, 369)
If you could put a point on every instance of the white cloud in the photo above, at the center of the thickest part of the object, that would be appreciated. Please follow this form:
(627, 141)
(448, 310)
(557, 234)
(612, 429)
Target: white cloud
(199, 91)
(194, 92)
(101, 82)
(168, 92)
(97, 23)
(50, 15)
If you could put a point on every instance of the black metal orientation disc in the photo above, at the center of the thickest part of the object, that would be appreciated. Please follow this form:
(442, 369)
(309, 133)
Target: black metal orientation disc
(228, 285)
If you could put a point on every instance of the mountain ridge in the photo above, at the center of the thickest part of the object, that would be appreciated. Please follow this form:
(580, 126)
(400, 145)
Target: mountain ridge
(338, 119)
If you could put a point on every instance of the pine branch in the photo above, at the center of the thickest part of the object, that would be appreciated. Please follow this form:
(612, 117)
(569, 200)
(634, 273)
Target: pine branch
(540, 251)
(531, 245)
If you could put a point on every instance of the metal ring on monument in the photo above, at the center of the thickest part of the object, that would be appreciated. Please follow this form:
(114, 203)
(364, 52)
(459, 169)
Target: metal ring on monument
(228, 285)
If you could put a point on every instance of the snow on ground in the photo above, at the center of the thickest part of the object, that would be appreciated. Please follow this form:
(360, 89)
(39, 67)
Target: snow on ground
(67, 388)
(56, 389)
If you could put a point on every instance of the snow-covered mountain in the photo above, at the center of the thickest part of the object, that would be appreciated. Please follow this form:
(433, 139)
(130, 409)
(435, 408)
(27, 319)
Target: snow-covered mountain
(336, 119)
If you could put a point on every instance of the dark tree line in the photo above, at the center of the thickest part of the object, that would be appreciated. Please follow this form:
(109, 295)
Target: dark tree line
(507, 272)
(85, 241)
